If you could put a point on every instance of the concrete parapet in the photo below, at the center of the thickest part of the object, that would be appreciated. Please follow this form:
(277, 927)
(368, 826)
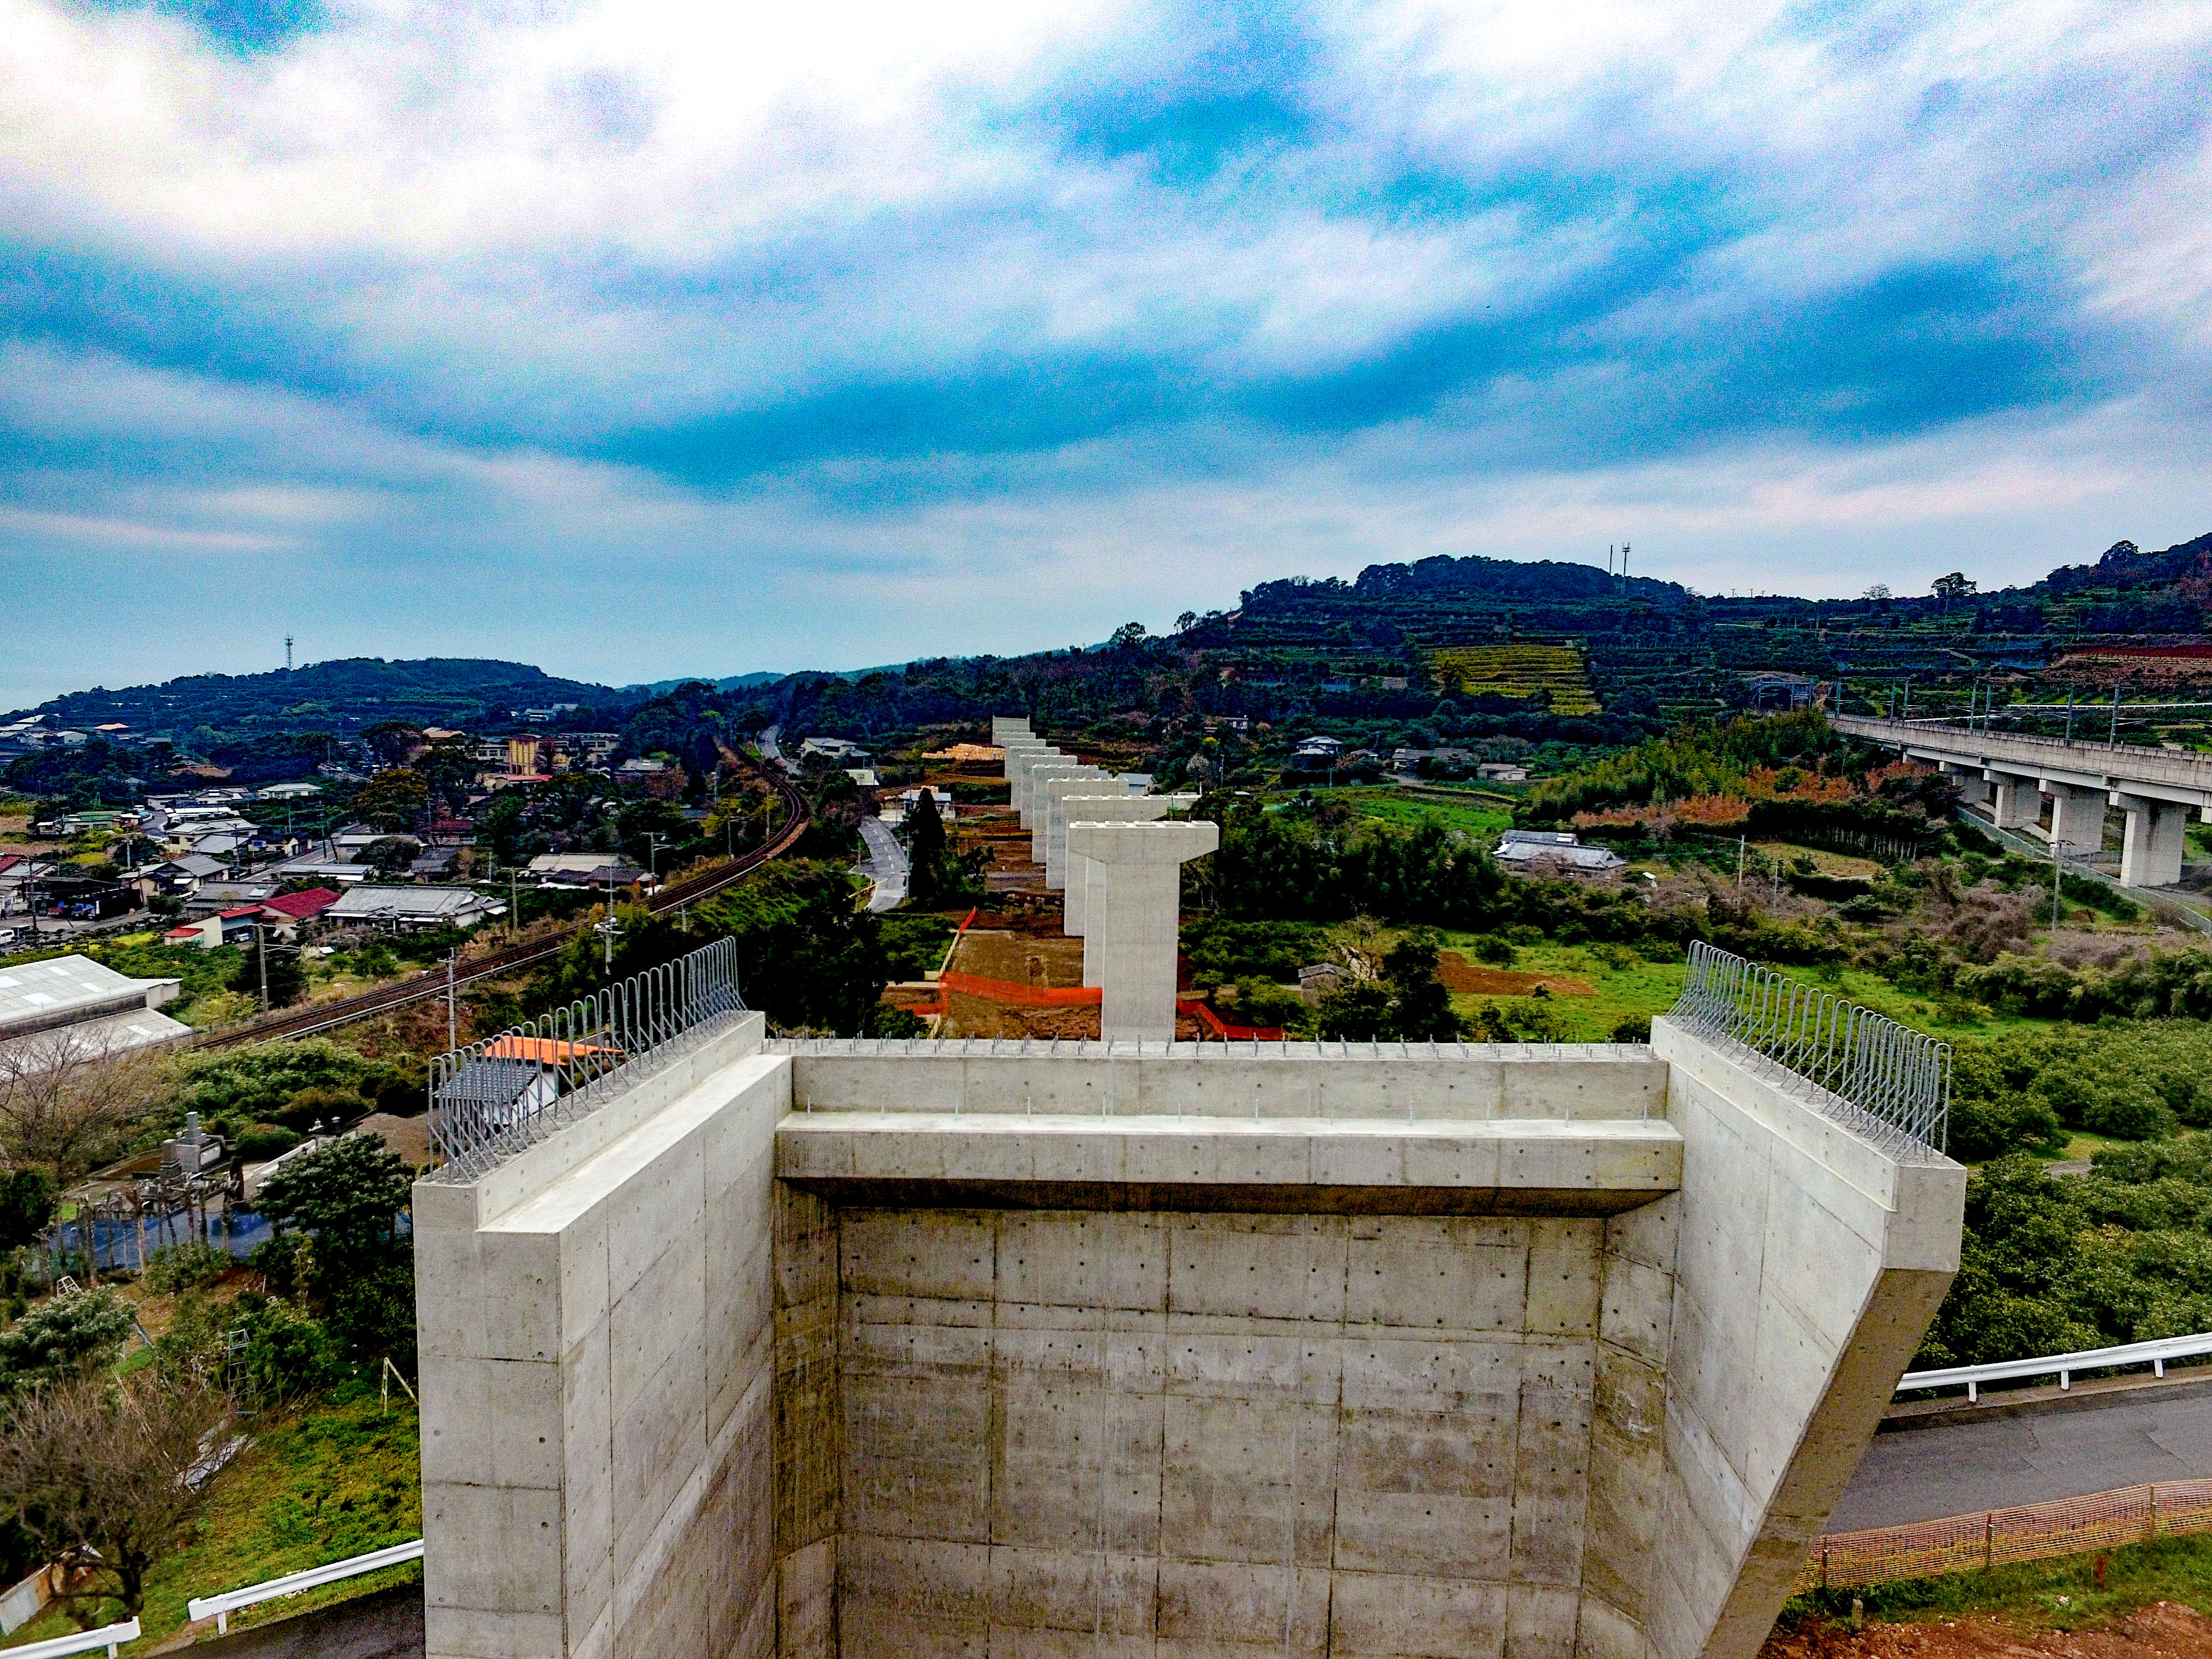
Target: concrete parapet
(1327, 1082)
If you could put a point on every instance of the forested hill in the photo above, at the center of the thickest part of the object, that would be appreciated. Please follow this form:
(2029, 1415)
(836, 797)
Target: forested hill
(341, 696)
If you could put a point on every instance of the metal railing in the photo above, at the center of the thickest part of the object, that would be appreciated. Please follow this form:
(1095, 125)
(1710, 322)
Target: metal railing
(110, 1637)
(292, 1583)
(2155, 1354)
(501, 1094)
(1889, 1083)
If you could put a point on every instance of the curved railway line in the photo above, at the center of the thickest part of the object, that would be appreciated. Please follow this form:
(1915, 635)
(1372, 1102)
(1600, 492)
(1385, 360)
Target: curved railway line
(327, 1016)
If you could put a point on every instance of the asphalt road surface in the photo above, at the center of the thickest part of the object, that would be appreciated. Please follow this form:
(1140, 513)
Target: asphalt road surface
(1995, 1463)
(387, 1625)
(885, 865)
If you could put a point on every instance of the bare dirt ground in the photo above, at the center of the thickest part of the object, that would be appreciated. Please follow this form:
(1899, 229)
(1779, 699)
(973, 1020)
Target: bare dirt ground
(1460, 976)
(2164, 1630)
(1020, 958)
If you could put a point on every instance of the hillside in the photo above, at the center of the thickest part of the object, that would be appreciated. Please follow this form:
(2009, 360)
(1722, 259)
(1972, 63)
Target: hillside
(341, 696)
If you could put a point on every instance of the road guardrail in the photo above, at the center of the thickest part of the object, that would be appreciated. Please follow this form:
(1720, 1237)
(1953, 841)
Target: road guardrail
(110, 1637)
(291, 1583)
(2157, 1355)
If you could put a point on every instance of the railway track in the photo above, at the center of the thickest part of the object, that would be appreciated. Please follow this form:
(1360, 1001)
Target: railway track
(328, 1016)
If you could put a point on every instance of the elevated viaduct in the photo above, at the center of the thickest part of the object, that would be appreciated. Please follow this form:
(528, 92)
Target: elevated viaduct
(2154, 789)
(815, 1348)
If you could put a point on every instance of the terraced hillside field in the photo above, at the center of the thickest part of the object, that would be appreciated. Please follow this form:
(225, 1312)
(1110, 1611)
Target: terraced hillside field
(1519, 670)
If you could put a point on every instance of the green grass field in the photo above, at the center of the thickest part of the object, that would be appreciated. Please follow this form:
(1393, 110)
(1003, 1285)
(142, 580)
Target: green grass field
(2059, 1593)
(1481, 819)
(1642, 987)
(339, 1478)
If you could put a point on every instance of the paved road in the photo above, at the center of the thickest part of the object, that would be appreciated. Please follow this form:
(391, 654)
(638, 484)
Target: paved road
(886, 865)
(2121, 1440)
(387, 1625)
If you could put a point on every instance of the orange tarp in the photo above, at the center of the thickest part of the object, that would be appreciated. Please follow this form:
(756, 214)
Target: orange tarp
(546, 1051)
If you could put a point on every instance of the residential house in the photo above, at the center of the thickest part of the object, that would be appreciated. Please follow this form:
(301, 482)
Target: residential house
(1532, 846)
(211, 897)
(232, 926)
(410, 909)
(584, 870)
(289, 915)
(838, 750)
(1502, 772)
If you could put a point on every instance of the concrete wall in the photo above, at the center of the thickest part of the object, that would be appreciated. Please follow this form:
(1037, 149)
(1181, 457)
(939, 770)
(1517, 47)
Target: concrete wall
(1809, 1267)
(597, 1371)
(827, 1349)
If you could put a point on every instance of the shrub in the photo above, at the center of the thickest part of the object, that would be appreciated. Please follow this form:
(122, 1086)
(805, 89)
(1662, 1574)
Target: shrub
(1493, 949)
(287, 1353)
(1633, 1028)
(259, 1142)
(186, 1267)
(65, 1337)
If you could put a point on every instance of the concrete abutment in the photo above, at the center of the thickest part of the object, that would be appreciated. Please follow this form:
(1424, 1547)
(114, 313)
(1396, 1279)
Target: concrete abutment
(846, 1349)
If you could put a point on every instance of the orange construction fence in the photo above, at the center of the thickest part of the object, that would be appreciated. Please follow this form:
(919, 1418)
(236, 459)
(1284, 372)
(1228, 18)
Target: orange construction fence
(1993, 1538)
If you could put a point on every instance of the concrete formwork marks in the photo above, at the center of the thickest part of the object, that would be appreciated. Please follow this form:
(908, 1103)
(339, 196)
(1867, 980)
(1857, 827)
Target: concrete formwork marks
(1213, 1434)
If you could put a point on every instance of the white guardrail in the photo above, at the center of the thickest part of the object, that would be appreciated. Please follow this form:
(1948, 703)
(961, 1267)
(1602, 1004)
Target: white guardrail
(291, 1583)
(2156, 1355)
(110, 1637)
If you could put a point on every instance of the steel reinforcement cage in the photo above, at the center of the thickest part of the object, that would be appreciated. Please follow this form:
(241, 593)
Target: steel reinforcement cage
(1890, 1084)
(497, 1096)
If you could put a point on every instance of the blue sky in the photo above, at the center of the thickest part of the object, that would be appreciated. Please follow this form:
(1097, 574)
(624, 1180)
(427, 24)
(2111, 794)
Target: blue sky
(646, 339)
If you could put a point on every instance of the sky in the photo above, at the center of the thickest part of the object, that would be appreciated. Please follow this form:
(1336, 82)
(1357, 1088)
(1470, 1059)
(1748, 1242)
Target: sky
(651, 339)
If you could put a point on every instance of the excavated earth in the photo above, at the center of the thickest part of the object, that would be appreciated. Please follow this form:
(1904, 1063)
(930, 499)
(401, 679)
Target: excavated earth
(2164, 1630)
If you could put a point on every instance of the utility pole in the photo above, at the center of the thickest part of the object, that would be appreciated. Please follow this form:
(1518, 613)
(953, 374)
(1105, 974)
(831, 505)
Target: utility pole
(452, 1013)
(2069, 716)
(261, 945)
(2113, 740)
(1739, 868)
(2050, 940)
(514, 900)
(607, 928)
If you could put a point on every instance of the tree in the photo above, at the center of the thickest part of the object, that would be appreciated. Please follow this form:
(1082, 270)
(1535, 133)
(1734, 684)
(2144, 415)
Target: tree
(1130, 636)
(64, 1337)
(98, 1474)
(348, 1195)
(69, 1100)
(26, 1204)
(392, 800)
(1186, 622)
(1953, 588)
(1878, 591)
(286, 978)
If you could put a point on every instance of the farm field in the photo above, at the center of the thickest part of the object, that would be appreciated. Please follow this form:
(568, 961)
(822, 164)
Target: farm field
(1476, 818)
(1519, 670)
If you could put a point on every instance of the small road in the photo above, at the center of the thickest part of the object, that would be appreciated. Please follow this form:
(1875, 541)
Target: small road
(386, 1625)
(885, 865)
(2070, 1450)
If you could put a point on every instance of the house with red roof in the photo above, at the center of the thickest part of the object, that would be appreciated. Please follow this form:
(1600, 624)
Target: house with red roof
(287, 914)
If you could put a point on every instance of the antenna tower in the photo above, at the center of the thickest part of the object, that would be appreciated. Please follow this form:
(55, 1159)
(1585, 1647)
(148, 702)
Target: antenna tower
(288, 653)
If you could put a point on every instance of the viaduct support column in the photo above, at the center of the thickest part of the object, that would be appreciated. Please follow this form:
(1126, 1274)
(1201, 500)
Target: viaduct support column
(1973, 788)
(2151, 843)
(1026, 762)
(1006, 728)
(1082, 874)
(1090, 781)
(1034, 815)
(1136, 905)
(2077, 818)
(2018, 800)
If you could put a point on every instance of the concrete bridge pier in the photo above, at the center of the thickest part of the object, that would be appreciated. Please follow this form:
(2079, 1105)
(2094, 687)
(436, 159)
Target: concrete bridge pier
(1090, 781)
(1132, 920)
(2151, 843)
(2077, 816)
(2018, 801)
(1974, 787)
(1009, 728)
(1082, 874)
(1022, 760)
(1039, 817)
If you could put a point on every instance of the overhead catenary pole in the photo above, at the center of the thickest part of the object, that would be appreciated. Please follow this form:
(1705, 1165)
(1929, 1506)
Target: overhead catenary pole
(453, 1020)
(2115, 738)
(2069, 715)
